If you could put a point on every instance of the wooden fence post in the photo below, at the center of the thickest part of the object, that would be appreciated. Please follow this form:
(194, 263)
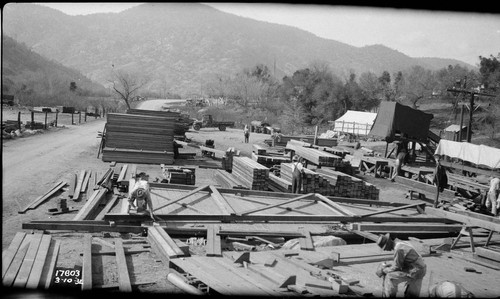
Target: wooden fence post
(32, 119)
(19, 120)
(57, 113)
(72, 121)
(45, 120)
(79, 117)
(85, 116)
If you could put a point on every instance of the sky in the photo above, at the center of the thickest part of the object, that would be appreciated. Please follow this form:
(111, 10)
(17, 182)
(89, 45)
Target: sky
(417, 33)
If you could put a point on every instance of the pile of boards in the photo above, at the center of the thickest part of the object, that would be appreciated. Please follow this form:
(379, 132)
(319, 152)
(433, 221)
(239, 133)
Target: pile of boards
(315, 156)
(250, 173)
(10, 125)
(182, 121)
(144, 139)
(180, 175)
(262, 156)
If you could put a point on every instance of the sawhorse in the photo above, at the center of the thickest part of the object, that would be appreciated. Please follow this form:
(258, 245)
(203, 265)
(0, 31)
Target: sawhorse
(466, 231)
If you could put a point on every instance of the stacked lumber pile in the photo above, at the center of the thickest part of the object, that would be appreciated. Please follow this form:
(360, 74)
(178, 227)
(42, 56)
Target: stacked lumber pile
(312, 182)
(182, 122)
(261, 156)
(250, 173)
(226, 180)
(317, 157)
(345, 185)
(10, 125)
(282, 140)
(139, 139)
(279, 184)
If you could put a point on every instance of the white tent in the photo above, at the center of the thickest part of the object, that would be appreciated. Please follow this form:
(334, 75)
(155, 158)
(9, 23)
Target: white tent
(354, 122)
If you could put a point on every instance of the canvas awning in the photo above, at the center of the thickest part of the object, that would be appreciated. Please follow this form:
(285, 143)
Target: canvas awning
(394, 118)
(354, 122)
(479, 155)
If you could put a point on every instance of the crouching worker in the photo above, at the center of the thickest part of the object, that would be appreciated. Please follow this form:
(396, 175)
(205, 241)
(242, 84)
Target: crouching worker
(139, 198)
(407, 266)
(449, 289)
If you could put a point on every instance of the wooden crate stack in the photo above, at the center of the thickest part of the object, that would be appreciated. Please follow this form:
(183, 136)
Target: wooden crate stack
(138, 139)
(252, 174)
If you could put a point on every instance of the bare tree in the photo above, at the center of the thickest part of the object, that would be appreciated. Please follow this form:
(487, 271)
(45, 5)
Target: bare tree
(126, 85)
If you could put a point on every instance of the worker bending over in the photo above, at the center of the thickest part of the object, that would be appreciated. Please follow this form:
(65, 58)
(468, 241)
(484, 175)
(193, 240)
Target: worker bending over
(297, 171)
(407, 266)
(139, 198)
(449, 289)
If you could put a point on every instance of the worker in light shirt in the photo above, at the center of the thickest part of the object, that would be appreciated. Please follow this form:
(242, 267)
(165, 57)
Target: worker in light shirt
(493, 196)
(297, 171)
(449, 289)
(407, 266)
(139, 198)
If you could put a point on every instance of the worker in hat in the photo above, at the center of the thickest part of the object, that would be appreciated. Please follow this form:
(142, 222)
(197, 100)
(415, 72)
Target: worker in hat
(297, 171)
(139, 198)
(406, 266)
(449, 289)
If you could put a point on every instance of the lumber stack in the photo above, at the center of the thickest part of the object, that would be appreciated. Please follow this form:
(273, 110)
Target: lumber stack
(226, 180)
(252, 174)
(182, 122)
(312, 182)
(278, 184)
(315, 156)
(282, 140)
(345, 185)
(139, 139)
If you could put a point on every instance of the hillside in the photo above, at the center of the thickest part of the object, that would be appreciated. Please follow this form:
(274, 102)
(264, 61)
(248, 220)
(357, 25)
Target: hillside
(23, 69)
(179, 45)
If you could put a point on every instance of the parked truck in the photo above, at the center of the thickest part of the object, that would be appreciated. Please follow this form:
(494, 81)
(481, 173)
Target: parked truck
(207, 121)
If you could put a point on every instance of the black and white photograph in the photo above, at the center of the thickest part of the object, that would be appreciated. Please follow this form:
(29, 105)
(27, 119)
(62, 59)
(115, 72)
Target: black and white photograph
(272, 149)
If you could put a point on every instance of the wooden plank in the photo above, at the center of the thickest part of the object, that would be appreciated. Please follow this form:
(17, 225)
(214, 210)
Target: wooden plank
(467, 220)
(34, 204)
(213, 247)
(306, 243)
(103, 242)
(28, 261)
(121, 176)
(388, 227)
(50, 265)
(165, 249)
(183, 197)
(121, 263)
(488, 253)
(87, 263)
(392, 210)
(72, 185)
(173, 245)
(111, 203)
(86, 181)
(336, 206)
(277, 205)
(91, 205)
(221, 201)
(41, 256)
(8, 255)
(16, 263)
(79, 183)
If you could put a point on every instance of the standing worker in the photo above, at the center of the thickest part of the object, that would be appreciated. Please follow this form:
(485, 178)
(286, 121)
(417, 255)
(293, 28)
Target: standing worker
(246, 132)
(297, 171)
(407, 266)
(400, 158)
(494, 196)
(449, 289)
(140, 194)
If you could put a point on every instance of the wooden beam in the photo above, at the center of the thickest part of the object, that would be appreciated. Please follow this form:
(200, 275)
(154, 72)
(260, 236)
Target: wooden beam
(221, 201)
(364, 201)
(16, 263)
(34, 204)
(92, 204)
(213, 247)
(392, 210)
(334, 205)
(277, 205)
(50, 265)
(488, 253)
(466, 220)
(79, 183)
(183, 197)
(164, 249)
(306, 242)
(390, 227)
(28, 261)
(87, 263)
(8, 255)
(72, 185)
(111, 203)
(121, 263)
(86, 181)
(121, 176)
(41, 257)
(103, 242)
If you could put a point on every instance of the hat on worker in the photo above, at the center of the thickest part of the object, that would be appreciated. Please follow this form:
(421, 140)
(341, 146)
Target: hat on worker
(139, 193)
(295, 158)
(384, 241)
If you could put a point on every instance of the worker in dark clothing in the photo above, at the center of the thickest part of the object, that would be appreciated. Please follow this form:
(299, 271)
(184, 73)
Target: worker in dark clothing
(246, 133)
(400, 158)
(406, 266)
(297, 171)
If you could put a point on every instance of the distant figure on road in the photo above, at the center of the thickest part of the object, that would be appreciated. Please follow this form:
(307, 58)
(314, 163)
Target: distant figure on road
(246, 132)
(297, 171)
(407, 266)
(449, 289)
(400, 158)
(493, 199)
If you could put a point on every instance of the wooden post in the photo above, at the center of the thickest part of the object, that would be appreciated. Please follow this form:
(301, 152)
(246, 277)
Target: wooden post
(315, 142)
(57, 114)
(79, 117)
(461, 123)
(32, 119)
(85, 116)
(19, 120)
(72, 121)
(45, 120)
(471, 110)
(436, 179)
(386, 147)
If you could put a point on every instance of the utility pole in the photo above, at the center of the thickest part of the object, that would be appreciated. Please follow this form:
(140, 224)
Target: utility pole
(472, 94)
